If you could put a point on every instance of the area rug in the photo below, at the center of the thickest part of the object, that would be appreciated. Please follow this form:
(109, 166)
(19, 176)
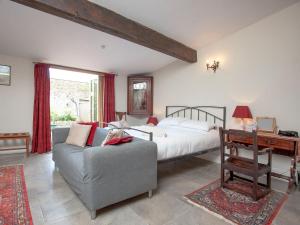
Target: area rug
(237, 208)
(14, 206)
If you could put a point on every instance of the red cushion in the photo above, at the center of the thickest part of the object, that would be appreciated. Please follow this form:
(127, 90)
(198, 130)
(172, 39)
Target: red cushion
(153, 120)
(120, 140)
(92, 131)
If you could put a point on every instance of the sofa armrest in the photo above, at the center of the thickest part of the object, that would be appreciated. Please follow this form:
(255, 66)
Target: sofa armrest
(100, 161)
(59, 135)
(117, 172)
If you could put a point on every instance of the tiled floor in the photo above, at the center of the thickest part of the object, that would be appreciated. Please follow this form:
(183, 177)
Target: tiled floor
(52, 201)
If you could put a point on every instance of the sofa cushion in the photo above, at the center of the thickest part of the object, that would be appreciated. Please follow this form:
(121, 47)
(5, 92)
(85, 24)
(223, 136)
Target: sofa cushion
(78, 134)
(99, 136)
(67, 149)
(119, 140)
(111, 135)
(92, 131)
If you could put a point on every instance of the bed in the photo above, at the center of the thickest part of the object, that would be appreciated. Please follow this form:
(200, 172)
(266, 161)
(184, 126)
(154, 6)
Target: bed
(179, 135)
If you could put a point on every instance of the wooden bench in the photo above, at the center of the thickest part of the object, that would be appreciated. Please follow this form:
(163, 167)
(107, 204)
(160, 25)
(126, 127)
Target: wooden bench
(15, 136)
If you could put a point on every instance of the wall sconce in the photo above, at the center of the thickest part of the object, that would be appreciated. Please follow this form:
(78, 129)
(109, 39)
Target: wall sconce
(214, 66)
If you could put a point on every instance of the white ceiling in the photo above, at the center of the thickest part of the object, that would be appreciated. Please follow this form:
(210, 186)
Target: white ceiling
(30, 33)
(195, 22)
(33, 34)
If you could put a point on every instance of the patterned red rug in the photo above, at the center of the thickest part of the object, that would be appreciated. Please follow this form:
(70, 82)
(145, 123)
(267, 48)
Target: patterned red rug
(236, 208)
(14, 206)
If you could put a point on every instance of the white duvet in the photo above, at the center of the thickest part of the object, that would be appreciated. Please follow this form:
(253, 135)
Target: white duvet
(156, 131)
(173, 141)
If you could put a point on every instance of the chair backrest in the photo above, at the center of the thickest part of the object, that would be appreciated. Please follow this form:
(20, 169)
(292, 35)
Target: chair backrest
(120, 115)
(228, 142)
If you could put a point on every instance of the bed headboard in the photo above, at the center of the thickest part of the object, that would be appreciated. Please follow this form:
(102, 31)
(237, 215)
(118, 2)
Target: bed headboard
(215, 113)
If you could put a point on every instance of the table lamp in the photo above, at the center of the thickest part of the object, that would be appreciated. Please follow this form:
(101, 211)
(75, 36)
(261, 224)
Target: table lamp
(242, 112)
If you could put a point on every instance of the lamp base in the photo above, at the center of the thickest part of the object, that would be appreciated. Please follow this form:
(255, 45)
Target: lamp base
(243, 124)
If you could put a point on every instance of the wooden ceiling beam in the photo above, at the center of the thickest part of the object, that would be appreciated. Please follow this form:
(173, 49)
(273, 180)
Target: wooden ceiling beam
(97, 17)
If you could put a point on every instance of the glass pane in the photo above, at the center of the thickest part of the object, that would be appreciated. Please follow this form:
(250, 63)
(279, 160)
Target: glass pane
(73, 97)
(140, 86)
(4, 75)
(94, 98)
(140, 96)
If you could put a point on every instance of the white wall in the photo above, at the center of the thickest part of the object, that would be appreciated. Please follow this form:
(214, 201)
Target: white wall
(259, 67)
(16, 101)
(121, 93)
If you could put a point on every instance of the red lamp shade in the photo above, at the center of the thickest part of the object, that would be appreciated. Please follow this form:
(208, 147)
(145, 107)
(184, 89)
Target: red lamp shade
(242, 112)
(152, 120)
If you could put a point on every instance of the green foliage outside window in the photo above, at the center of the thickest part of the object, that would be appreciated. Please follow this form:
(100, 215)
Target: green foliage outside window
(66, 116)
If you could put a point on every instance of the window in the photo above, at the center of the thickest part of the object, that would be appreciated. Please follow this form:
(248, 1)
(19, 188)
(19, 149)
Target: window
(73, 97)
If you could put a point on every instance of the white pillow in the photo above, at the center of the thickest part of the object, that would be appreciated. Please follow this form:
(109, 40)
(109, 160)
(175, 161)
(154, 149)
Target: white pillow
(78, 134)
(124, 123)
(171, 121)
(197, 125)
(116, 133)
(114, 124)
(120, 124)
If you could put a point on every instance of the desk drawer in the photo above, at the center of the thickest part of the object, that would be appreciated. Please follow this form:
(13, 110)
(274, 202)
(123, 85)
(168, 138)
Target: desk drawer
(242, 139)
(276, 143)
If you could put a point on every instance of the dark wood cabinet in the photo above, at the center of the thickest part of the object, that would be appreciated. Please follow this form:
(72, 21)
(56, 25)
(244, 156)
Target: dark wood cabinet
(280, 144)
(140, 95)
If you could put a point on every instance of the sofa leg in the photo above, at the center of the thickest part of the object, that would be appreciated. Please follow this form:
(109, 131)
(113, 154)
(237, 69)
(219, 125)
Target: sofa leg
(93, 214)
(150, 194)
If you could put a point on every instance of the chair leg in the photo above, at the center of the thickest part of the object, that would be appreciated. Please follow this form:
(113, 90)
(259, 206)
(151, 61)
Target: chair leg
(269, 180)
(222, 177)
(231, 175)
(255, 197)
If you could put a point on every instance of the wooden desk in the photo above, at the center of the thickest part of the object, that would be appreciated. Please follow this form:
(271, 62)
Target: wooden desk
(15, 136)
(288, 146)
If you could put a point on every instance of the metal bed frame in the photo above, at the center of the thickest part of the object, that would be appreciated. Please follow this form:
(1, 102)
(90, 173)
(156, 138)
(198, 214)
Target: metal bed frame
(198, 109)
(186, 112)
(128, 128)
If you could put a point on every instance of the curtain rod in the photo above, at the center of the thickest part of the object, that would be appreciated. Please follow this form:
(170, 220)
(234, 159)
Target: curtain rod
(72, 68)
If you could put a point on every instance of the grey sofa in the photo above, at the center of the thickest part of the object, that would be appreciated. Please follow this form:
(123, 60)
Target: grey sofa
(102, 176)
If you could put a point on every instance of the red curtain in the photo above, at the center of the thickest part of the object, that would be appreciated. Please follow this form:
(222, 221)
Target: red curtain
(41, 138)
(108, 98)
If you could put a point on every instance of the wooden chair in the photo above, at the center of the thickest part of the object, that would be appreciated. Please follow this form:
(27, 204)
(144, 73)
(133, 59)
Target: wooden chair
(119, 115)
(234, 163)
